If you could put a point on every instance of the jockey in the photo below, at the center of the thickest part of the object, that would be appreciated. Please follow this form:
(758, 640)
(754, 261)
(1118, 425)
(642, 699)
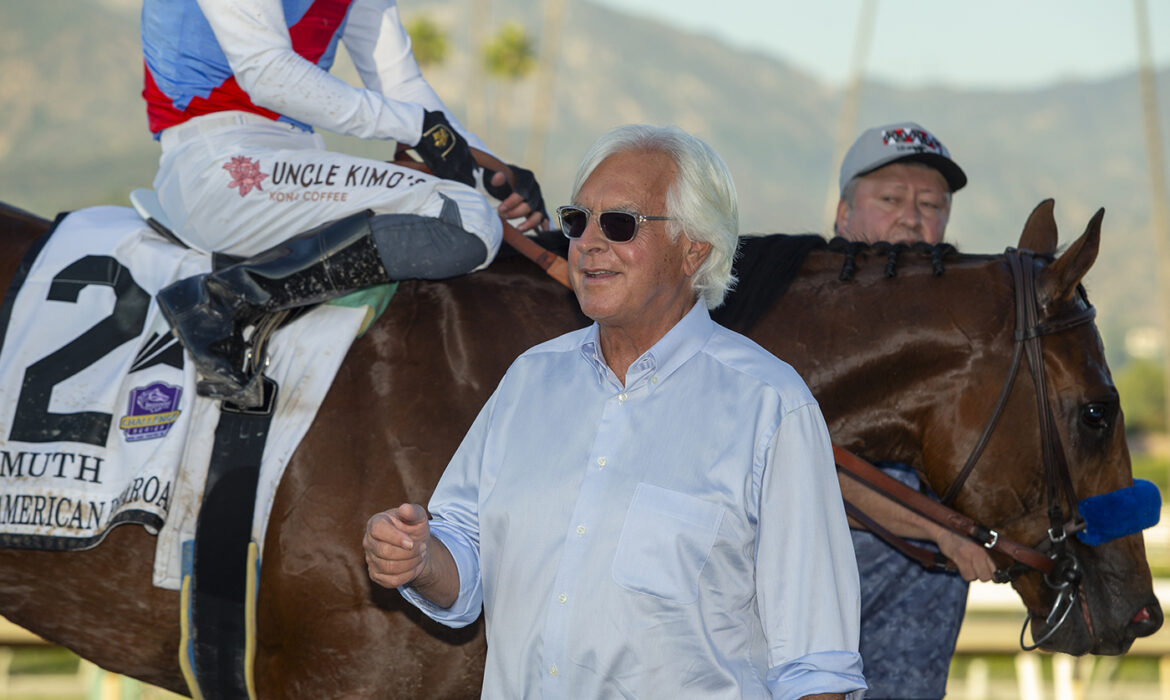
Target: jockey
(233, 90)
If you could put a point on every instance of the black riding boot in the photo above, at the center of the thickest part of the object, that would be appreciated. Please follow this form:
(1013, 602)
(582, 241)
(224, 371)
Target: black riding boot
(209, 313)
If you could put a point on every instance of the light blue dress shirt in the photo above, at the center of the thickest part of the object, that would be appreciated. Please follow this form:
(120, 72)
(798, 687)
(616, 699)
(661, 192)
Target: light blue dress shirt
(681, 536)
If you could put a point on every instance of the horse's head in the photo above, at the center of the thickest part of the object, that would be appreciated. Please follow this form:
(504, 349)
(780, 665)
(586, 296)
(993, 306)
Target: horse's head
(1063, 401)
(909, 351)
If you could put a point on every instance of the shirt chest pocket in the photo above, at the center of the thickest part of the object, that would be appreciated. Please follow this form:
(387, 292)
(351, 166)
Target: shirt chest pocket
(665, 542)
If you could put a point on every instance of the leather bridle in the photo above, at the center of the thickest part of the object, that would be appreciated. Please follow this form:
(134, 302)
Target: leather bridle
(1027, 341)
(1052, 557)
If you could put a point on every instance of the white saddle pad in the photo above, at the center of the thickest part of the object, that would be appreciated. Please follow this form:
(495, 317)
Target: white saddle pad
(98, 409)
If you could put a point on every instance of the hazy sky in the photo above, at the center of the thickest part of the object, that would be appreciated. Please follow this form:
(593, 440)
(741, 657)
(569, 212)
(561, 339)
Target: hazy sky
(990, 44)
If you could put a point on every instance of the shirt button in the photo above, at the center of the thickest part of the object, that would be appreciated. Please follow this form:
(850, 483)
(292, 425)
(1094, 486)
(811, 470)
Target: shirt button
(562, 599)
(622, 398)
(653, 380)
(601, 461)
(580, 529)
(552, 670)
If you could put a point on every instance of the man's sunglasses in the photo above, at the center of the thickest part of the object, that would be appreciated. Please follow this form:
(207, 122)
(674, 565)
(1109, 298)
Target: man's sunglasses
(617, 226)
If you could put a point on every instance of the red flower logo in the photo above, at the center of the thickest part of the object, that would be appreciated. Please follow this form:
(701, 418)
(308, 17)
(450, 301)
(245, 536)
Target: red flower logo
(245, 174)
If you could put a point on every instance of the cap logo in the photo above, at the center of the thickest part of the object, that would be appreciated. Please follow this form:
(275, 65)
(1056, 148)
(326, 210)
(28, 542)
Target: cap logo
(911, 139)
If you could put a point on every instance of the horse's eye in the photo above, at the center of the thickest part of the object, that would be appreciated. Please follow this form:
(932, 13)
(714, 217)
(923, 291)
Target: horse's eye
(1095, 415)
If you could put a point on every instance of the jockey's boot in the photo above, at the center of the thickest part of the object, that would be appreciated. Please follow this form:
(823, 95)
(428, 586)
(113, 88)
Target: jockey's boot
(210, 313)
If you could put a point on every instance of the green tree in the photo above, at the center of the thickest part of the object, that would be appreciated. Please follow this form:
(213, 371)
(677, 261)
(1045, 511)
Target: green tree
(429, 42)
(1142, 390)
(510, 54)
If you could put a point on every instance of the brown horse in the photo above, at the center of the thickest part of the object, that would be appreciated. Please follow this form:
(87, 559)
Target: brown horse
(906, 363)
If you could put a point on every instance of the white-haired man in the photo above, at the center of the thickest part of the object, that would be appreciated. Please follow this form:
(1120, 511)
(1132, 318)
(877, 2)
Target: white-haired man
(896, 186)
(678, 530)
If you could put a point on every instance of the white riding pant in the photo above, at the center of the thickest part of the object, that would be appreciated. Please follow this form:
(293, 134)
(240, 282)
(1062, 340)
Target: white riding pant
(239, 183)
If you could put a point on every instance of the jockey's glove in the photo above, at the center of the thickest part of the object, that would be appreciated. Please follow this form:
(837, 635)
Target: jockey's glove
(526, 186)
(444, 151)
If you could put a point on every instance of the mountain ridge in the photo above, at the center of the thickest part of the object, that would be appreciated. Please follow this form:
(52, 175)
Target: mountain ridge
(73, 132)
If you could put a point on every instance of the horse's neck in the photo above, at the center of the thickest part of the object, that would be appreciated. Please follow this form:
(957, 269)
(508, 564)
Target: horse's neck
(885, 355)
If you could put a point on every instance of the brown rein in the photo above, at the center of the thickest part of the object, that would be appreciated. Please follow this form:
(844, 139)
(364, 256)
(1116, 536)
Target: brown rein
(554, 265)
(869, 475)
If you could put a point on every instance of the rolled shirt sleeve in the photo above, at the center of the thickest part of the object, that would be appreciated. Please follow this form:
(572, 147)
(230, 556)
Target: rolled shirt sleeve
(467, 606)
(806, 574)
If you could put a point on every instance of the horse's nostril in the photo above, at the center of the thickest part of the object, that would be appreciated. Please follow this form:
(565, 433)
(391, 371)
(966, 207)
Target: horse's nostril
(1142, 615)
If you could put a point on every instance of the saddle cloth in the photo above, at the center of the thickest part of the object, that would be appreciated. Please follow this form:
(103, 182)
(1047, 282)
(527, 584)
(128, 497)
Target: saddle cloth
(98, 408)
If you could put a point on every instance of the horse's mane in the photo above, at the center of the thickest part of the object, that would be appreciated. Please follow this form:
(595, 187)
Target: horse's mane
(767, 265)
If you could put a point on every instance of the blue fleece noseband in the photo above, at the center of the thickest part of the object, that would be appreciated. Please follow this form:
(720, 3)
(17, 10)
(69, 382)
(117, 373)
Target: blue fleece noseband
(1120, 513)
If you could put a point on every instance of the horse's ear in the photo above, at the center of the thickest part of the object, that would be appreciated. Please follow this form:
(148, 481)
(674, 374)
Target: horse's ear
(1039, 234)
(1062, 276)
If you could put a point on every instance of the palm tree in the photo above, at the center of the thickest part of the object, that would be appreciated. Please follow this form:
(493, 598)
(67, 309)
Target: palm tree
(509, 57)
(429, 42)
(510, 54)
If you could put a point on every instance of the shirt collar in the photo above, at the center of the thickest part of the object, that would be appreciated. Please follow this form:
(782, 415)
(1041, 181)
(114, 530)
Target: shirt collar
(679, 344)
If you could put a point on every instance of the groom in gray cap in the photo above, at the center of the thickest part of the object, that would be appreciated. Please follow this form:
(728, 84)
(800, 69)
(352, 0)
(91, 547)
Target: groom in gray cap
(896, 186)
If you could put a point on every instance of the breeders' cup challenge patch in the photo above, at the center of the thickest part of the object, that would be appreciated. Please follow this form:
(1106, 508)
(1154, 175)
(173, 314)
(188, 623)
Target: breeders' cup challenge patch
(153, 409)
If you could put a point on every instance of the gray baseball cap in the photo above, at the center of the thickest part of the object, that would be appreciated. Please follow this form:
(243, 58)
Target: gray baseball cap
(882, 145)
